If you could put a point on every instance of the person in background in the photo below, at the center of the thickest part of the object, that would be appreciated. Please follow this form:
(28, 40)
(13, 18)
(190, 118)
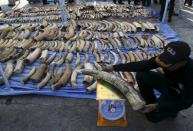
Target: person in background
(189, 2)
(175, 84)
(119, 1)
(155, 1)
(11, 3)
(178, 7)
(45, 2)
(146, 2)
(171, 9)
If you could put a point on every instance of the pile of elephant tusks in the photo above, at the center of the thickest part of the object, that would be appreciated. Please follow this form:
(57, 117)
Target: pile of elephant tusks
(52, 13)
(61, 51)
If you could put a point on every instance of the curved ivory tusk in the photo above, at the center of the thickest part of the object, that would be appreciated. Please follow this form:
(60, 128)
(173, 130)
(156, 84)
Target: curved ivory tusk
(77, 59)
(138, 26)
(122, 56)
(25, 54)
(8, 71)
(61, 61)
(97, 59)
(131, 56)
(51, 58)
(89, 35)
(86, 58)
(55, 75)
(157, 42)
(55, 61)
(137, 58)
(92, 87)
(151, 26)
(82, 44)
(163, 42)
(133, 28)
(95, 45)
(113, 42)
(62, 46)
(118, 42)
(88, 79)
(32, 56)
(70, 33)
(102, 58)
(98, 66)
(44, 81)
(39, 73)
(139, 54)
(127, 90)
(116, 58)
(27, 77)
(19, 66)
(87, 46)
(145, 26)
(109, 57)
(64, 78)
(74, 75)
(44, 56)
(59, 46)
(74, 46)
(69, 57)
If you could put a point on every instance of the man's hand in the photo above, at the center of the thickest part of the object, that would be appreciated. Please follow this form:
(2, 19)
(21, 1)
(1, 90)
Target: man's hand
(149, 108)
(108, 68)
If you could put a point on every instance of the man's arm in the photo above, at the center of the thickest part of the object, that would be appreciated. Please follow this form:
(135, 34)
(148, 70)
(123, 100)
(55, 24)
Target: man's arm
(140, 66)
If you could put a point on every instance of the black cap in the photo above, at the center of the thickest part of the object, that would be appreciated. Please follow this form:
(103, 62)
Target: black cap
(174, 52)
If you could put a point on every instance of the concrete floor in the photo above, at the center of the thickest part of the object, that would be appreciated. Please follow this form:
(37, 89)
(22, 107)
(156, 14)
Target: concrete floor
(44, 113)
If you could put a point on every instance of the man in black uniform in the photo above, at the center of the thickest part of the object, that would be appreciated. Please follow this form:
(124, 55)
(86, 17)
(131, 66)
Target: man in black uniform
(171, 9)
(175, 85)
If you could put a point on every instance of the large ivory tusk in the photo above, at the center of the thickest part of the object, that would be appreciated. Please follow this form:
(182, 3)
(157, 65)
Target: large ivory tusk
(64, 79)
(33, 56)
(39, 73)
(19, 66)
(74, 75)
(88, 79)
(127, 90)
(27, 77)
(44, 81)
